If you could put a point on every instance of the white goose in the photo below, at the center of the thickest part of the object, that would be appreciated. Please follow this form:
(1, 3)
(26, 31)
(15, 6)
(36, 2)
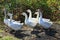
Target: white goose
(12, 24)
(44, 19)
(28, 22)
(6, 20)
(32, 20)
(45, 24)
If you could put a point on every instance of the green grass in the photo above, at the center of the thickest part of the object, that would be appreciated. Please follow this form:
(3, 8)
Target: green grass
(8, 38)
(59, 22)
(1, 31)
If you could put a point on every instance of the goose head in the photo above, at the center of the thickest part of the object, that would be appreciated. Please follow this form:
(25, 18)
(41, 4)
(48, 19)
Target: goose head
(40, 14)
(24, 14)
(37, 13)
(30, 13)
(9, 14)
(4, 10)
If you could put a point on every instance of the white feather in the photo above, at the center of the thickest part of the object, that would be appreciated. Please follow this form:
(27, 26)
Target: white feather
(33, 21)
(44, 19)
(44, 23)
(12, 23)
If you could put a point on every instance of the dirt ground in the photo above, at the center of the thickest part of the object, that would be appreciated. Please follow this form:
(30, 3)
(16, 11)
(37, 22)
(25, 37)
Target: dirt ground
(36, 33)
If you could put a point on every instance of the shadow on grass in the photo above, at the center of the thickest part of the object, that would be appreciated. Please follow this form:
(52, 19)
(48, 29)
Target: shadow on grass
(49, 32)
(18, 34)
(36, 31)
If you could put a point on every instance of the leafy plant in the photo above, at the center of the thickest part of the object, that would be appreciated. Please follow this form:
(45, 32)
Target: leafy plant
(17, 6)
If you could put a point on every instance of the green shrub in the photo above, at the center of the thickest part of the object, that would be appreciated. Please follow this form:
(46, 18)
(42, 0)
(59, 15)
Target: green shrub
(48, 7)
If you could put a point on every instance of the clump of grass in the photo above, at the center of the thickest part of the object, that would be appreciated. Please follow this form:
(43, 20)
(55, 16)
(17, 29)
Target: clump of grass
(1, 31)
(8, 38)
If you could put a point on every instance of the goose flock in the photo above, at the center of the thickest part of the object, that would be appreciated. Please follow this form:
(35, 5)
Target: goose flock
(29, 21)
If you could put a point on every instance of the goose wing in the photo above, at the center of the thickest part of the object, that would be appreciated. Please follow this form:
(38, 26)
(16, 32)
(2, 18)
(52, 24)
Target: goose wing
(44, 19)
(16, 25)
(46, 24)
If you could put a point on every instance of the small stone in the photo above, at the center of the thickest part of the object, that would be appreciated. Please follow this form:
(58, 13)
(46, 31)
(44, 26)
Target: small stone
(27, 28)
(27, 32)
(42, 34)
(33, 36)
(1, 35)
(57, 35)
(26, 38)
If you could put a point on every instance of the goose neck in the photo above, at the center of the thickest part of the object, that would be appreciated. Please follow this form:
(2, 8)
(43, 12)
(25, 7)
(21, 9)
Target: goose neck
(10, 18)
(37, 15)
(40, 16)
(25, 17)
(30, 14)
(5, 13)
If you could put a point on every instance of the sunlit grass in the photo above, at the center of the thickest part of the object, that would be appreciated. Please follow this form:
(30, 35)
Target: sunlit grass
(1, 30)
(59, 22)
(8, 38)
